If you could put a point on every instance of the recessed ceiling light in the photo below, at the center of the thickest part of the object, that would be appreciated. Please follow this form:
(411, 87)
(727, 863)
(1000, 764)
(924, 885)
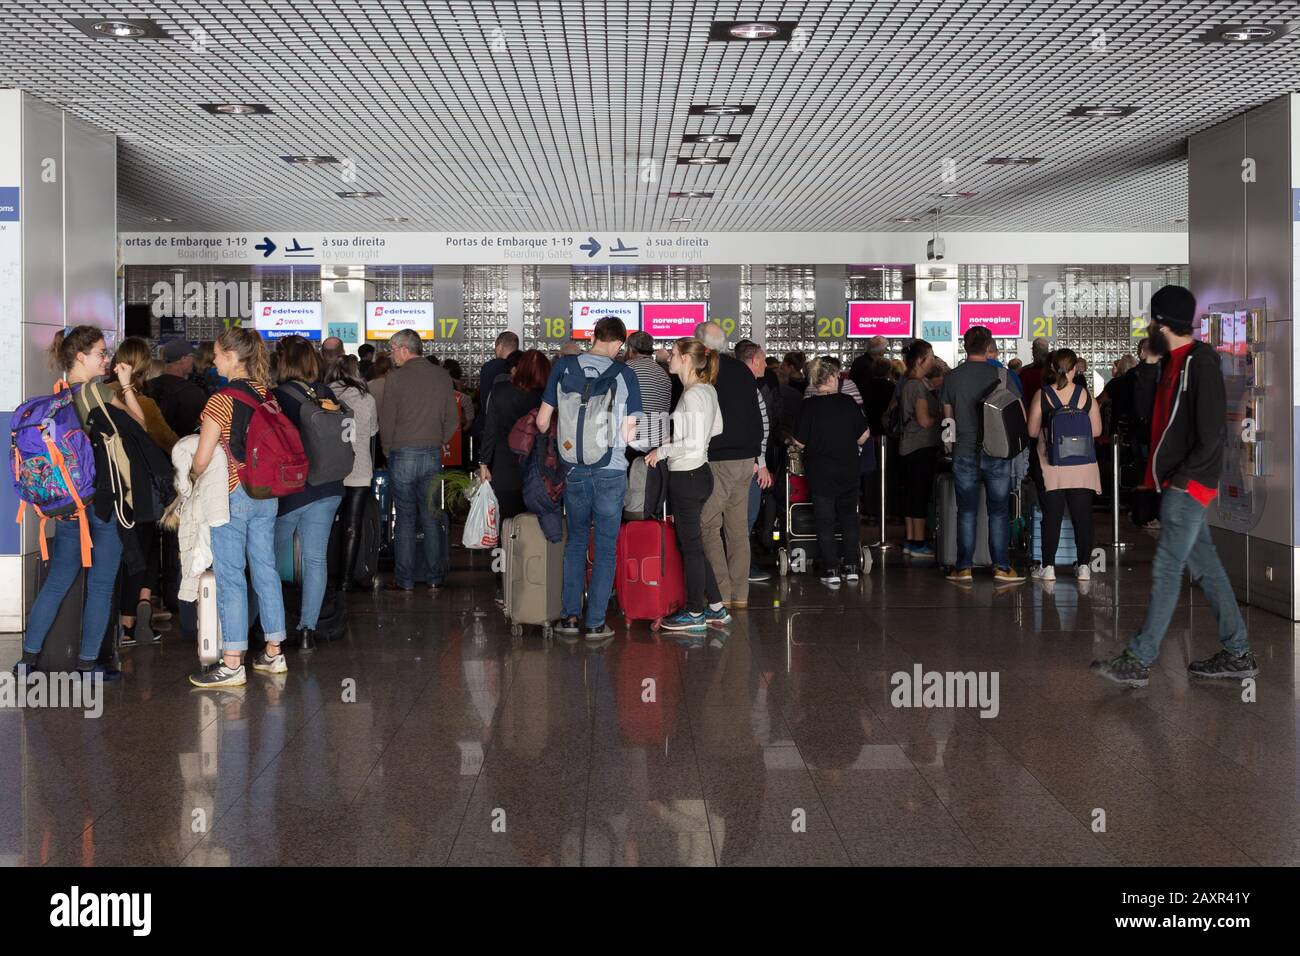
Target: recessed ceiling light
(1245, 33)
(965, 195)
(690, 195)
(359, 194)
(721, 109)
(1183, 219)
(235, 109)
(906, 219)
(119, 28)
(1102, 111)
(702, 160)
(749, 31)
(1012, 160)
(309, 160)
(711, 138)
(397, 219)
(159, 219)
(679, 219)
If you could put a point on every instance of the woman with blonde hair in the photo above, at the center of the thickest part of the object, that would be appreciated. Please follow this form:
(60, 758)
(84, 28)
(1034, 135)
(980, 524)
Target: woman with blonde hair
(696, 419)
(248, 539)
(832, 428)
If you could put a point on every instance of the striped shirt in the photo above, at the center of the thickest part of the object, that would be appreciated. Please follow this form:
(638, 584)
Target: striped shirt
(656, 401)
(221, 409)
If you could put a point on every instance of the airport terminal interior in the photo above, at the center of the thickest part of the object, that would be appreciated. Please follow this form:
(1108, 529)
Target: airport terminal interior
(816, 180)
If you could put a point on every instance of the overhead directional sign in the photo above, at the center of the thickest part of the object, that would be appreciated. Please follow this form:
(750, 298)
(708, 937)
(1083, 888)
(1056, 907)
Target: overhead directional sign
(612, 248)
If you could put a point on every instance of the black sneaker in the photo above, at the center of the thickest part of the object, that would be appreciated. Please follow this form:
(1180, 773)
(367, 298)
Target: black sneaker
(1124, 669)
(143, 623)
(831, 579)
(597, 633)
(570, 626)
(128, 637)
(1225, 664)
(851, 575)
(758, 576)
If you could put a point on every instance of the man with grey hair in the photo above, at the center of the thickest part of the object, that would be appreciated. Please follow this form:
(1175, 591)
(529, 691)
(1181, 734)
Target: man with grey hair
(417, 416)
(735, 458)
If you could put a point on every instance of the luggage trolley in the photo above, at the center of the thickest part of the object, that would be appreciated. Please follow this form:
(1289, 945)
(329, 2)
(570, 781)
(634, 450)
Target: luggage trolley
(800, 525)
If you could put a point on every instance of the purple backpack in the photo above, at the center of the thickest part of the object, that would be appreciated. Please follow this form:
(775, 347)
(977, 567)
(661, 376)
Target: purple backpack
(53, 462)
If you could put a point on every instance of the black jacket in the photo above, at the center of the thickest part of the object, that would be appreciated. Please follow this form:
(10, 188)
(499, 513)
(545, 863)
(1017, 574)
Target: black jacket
(1191, 447)
(180, 400)
(742, 422)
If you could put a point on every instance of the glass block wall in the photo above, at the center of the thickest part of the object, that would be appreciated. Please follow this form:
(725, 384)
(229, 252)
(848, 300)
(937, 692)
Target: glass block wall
(533, 309)
(1097, 321)
(791, 311)
(485, 318)
(401, 283)
(228, 291)
(991, 283)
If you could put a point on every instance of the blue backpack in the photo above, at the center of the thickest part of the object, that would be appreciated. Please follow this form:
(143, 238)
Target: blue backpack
(53, 462)
(1069, 429)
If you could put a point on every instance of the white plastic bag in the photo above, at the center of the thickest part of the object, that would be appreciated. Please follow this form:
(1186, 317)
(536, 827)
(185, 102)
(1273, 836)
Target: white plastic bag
(483, 526)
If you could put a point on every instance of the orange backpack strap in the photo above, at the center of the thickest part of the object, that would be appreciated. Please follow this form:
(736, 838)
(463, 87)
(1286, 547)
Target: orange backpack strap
(56, 457)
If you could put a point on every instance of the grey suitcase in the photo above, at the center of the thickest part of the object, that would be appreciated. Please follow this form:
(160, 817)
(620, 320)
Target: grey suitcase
(534, 574)
(945, 539)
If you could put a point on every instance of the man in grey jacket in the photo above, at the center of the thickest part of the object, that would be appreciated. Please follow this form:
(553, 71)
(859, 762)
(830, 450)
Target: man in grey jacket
(417, 417)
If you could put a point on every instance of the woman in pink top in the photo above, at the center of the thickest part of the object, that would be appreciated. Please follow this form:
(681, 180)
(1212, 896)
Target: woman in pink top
(1073, 486)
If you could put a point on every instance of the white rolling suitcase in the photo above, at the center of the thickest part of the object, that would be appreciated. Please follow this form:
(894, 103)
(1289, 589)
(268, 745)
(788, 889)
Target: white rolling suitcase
(210, 645)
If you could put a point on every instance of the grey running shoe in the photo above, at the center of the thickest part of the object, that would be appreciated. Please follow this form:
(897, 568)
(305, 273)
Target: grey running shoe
(1225, 664)
(1124, 669)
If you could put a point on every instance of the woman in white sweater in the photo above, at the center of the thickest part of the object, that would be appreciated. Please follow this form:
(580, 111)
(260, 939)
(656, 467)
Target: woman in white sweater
(690, 482)
(344, 379)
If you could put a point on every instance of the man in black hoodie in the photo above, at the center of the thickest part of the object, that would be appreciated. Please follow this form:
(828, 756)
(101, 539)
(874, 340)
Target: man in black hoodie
(1188, 424)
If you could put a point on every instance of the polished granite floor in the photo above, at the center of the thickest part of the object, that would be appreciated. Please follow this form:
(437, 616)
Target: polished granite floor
(773, 742)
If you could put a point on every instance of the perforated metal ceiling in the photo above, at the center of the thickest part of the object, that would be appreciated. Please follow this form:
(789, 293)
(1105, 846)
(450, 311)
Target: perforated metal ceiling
(539, 115)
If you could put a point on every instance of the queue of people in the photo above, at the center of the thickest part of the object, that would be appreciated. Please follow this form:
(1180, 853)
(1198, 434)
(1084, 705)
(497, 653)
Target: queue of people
(291, 432)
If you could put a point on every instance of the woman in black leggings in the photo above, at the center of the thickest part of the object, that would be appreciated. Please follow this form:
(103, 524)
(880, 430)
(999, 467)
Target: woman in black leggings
(344, 379)
(695, 421)
(919, 445)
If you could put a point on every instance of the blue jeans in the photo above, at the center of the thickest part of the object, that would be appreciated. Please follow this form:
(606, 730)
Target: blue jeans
(251, 532)
(1185, 543)
(101, 584)
(593, 498)
(414, 471)
(313, 523)
(967, 473)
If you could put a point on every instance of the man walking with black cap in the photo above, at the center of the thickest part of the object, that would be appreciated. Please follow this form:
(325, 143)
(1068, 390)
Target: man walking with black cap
(1188, 425)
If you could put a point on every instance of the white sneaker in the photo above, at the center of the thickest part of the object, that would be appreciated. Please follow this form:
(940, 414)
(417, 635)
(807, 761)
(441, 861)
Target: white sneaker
(1044, 572)
(1083, 572)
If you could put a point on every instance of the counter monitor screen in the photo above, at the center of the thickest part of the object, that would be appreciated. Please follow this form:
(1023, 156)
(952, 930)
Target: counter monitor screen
(673, 320)
(587, 314)
(275, 320)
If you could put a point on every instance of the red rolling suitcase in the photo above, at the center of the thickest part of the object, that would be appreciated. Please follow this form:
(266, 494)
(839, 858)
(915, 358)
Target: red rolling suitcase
(648, 575)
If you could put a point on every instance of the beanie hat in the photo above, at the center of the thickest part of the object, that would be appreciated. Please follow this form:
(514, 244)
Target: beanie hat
(1174, 307)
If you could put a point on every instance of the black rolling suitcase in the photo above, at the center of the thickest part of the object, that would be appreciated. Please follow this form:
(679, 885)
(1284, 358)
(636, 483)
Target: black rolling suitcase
(61, 651)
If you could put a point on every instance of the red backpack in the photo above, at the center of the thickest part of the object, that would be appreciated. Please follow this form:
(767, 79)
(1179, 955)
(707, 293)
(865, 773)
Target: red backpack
(274, 463)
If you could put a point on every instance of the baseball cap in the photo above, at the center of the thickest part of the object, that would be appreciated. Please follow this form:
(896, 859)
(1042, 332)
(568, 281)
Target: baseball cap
(176, 349)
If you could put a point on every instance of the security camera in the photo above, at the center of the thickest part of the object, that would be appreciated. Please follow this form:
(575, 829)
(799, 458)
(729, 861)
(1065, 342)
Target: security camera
(934, 250)
(938, 285)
